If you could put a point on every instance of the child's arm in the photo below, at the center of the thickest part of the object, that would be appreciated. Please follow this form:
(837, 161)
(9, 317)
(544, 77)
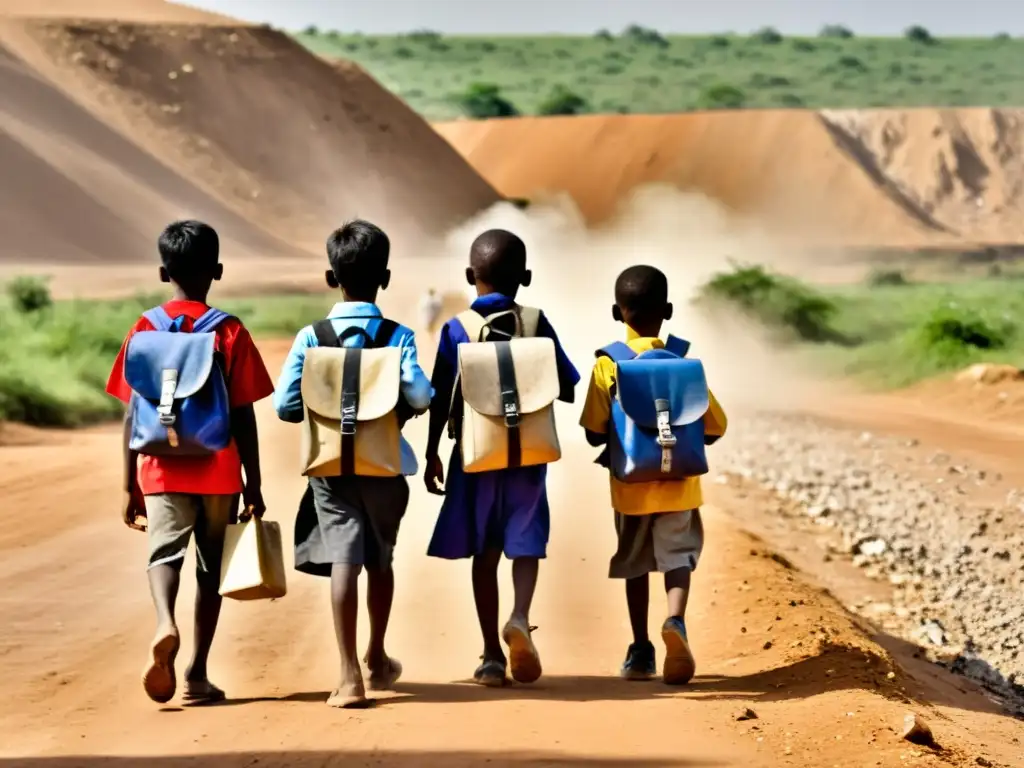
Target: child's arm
(416, 388)
(246, 435)
(568, 376)
(715, 422)
(597, 408)
(134, 501)
(443, 383)
(288, 393)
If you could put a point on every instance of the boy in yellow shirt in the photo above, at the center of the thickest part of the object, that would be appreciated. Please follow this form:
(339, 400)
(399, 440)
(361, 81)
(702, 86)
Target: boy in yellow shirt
(658, 522)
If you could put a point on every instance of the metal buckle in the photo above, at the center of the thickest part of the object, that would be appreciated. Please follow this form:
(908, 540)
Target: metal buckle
(510, 407)
(665, 437)
(349, 407)
(165, 410)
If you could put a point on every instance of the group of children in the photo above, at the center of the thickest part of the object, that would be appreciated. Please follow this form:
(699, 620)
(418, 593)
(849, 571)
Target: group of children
(352, 520)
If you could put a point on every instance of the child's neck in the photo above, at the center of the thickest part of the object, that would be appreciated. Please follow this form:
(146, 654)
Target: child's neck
(647, 331)
(180, 294)
(348, 297)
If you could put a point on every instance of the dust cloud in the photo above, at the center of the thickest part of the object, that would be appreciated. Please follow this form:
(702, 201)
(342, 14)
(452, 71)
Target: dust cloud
(689, 237)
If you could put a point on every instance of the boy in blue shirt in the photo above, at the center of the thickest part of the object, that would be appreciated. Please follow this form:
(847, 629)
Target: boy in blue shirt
(352, 521)
(485, 514)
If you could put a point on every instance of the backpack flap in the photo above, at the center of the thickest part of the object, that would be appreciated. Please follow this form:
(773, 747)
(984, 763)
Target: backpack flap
(351, 425)
(180, 404)
(508, 390)
(657, 418)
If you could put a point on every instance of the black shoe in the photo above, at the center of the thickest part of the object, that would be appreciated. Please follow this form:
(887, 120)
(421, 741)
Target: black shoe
(640, 663)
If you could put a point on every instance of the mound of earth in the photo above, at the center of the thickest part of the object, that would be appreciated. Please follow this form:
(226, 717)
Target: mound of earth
(279, 135)
(792, 169)
(984, 391)
(962, 168)
(123, 10)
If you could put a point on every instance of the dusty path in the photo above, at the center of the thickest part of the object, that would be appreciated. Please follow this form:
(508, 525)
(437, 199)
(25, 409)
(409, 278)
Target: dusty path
(75, 621)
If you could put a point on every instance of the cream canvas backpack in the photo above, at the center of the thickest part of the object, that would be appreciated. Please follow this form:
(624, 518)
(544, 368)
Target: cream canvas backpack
(350, 395)
(509, 388)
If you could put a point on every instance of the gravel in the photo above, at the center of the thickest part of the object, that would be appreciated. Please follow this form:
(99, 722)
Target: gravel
(936, 531)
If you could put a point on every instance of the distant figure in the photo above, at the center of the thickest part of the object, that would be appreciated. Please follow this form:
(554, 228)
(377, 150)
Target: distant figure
(430, 310)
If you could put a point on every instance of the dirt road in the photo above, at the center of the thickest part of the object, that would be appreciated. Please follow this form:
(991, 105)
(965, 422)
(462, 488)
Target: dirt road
(75, 622)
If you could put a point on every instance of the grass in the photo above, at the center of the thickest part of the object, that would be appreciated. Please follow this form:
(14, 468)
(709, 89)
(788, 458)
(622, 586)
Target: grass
(652, 73)
(890, 335)
(54, 361)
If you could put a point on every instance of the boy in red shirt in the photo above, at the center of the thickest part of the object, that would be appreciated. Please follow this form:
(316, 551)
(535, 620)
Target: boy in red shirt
(178, 496)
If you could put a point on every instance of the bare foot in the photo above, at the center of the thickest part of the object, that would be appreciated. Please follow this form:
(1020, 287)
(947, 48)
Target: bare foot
(350, 696)
(199, 692)
(384, 676)
(159, 680)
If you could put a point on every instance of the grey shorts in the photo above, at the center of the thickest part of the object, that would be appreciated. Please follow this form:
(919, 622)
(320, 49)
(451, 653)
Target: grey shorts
(357, 521)
(662, 542)
(173, 518)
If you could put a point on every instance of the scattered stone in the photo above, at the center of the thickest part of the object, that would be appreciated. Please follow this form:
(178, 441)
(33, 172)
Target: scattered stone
(917, 731)
(746, 714)
(983, 762)
(768, 645)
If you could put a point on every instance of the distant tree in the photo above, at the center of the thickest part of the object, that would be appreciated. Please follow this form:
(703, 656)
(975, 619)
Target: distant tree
(562, 101)
(804, 46)
(836, 30)
(424, 35)
(604, 34)
(404, 52)
(852, 63)
(722, 96)
(720, 41)
(919, 34)
(644, 36)
(1002, 37)
(484, 100)
(768, 36)
(312, 30)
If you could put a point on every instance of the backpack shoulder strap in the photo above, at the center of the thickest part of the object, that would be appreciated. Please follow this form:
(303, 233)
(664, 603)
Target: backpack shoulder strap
(677, 346)
(472, 323)
(385, 331)
(617, 351)
(530, 319)
(158, 318)
(325, 334)
(209, 320)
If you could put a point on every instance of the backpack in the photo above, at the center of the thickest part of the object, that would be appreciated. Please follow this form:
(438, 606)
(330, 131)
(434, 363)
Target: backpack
(659, 400)
(179, 404)
(351, 397)
(506, 390)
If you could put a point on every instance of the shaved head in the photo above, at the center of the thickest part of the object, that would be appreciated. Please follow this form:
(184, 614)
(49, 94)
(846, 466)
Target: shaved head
(497, 260)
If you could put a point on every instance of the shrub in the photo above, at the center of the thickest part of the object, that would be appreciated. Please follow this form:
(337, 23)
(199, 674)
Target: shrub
(29, 294)
(484, 100)
(836, 30)
(804, 46)
(887, 277)
(722, 96)
(768, 36)
(604, 34)
(778, 302)
(424, 35)
(644, 36)
(790, 100)
(562, 101)
(852, 63)
(402, 52)
(312, 30)
(953, 334)
(1002, 37)
(720, 41)
(919, 34)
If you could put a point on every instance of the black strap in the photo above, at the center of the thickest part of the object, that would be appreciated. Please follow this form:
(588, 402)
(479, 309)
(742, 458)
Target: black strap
(509, 402)
(325, 334)
(349, 408)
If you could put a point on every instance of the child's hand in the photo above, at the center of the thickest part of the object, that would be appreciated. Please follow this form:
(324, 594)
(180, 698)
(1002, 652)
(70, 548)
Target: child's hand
(252, 500)
(133, 510)
(433, 475)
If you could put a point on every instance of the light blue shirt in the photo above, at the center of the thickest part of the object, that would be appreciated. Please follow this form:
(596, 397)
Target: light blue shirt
(347, 314)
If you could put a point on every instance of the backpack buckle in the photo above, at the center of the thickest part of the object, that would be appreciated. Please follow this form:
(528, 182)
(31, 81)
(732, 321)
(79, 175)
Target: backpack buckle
(510, 407)
(349, 407)
(165, 409)
(665, 437)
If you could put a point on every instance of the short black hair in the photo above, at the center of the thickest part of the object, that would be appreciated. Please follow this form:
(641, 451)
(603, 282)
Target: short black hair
(498, 258)
(189, 249)
(641, 293)
(359, 252)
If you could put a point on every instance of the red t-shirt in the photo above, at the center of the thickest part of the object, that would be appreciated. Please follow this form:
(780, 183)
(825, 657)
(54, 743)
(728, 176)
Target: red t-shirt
(247, 382)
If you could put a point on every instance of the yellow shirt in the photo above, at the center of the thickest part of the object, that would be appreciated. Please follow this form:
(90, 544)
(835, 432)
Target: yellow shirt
(644, 498)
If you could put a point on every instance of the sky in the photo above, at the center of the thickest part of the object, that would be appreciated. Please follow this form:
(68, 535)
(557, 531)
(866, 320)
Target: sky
(795, 17)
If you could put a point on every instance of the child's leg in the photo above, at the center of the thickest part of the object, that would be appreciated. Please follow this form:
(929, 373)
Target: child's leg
(524, 582)
(678, 541)
(633, 561)
(345, 608)
(171, 520)
(380, 593)
(385, 500)
(485, 594)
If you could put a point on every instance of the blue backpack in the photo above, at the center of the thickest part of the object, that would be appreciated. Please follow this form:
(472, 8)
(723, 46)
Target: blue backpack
(658, 404)
(179, 404)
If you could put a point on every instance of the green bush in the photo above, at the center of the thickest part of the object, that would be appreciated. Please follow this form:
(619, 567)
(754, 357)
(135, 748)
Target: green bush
(484, 100)
(562, 101)
(852, 63)
(29, 294)
(768, 36)
(719, 41)
(953, 335)
(919, 34)
(604, 34)
(879, 278)
(776, 301)
(312, 30)
(837, 31)
(644, 36)
(804, 46)
(721, 96)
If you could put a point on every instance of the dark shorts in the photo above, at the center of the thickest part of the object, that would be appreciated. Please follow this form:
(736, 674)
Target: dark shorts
(663, 542)
(175, 518)
(349, 521)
